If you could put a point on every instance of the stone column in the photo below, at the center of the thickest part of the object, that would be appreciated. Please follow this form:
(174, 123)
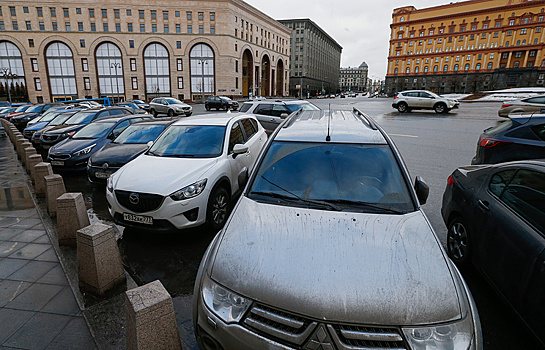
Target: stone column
(54, 188)
(32, 161)
(71, 216)
(151, 323)
(508, 65)
(40, 171)
(99, 262)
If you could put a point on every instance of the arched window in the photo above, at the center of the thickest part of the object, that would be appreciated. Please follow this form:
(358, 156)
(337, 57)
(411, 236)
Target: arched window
(416, 69)
(466, 67)
(10, 59)
(435, 68)
(202, 70)
(456, 67)
(408, 70)
(516, 64)
(524, 42)
(489, 65)
(478, 66)
(156, 70)
(445, 68)
(395, 71)
(518, 42)
(110, 71)
(60, 66)
(425, 69)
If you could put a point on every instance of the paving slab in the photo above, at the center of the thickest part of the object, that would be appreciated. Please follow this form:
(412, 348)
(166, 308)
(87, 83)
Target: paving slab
(32, 271)
(39, 331)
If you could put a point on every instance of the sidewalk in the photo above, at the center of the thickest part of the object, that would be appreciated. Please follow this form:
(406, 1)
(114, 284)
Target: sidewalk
(38, 309)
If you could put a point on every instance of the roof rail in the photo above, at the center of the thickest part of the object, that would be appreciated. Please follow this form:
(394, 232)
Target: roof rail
(365, 118)
(290, 119)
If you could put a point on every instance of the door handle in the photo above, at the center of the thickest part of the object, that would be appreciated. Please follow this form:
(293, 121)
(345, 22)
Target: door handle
(484, 205)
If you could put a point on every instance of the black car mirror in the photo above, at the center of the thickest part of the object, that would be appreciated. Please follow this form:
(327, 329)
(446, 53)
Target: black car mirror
(422, 190)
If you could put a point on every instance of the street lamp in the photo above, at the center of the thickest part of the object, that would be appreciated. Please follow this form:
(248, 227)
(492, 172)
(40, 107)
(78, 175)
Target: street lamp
(7, 74)
(202, 62)
(116, 65)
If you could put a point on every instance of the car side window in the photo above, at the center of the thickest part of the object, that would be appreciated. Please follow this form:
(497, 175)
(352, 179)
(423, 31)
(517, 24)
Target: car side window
(249, 128)
(120, 127)
(411, 94)
(424, 95)
(278, 110)
(540, 100)
(235, 136)
(263, 109)
(117, 111)
(539, 130)
(525, 194)
(254, 123)
(103, 114)
(245, 107)
(499, 181)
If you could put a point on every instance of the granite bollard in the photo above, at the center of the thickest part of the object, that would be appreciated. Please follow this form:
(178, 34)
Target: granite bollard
(32, 161)
(71, 216)
(54, 188)
(21, 150)
(40, 171)
(151, 322)
(99, 262)
(18, 141)
(27, 152)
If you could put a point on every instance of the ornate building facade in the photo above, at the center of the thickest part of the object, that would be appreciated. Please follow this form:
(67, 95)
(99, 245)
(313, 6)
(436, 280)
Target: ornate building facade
(354, 78)
(467, 46)
(126, 49)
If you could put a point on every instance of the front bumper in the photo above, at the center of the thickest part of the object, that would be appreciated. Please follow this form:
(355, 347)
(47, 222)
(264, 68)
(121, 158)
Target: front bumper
(67, 162)
(97, 174)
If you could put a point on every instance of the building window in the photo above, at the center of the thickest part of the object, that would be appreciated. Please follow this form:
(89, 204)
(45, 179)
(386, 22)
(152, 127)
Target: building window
(523, 31)
(190, 29)
(236, 66)
(492, 55)
(516, 64)
(67, 26)
(188, 14)
(109, 70)
(445, 68)
(466, 67)
(118, 27)
(518, 54)
(178, 44)
(165, 14)
(483, 36)
(40, 11)
(133, 64)
(473, 27)
(180, 82)
(15, 25)
(154, 28)
(177, 13)
(37, 84)
(201, 16)
(92, 13)
(80, 26)
(142, 28)
(165, 28)
(153, 14)
(129, 27)
(456, 67)
(425, 69)
(178, 28)
(87, 83)
(511, 22)
(141, 14)
(538, 29)
(116, 13)
(212, 29)
(104, 13)
(179, 65)
(30, 42)
(485, 25)
(156, 69)
(134, 81)
(532, 53)
(34, 63)
(28, 25)
(131, 44)
(489, 65)
(435, 68)
(84, 65)
(93, 27)
(25, 9)
(105, 26)
(212, 16)
(202, 70)
(66, 12)
(129, 12)
(201, 29)
(417, 69)
(408, 70)
(53, 11)
(60, 66)
(82, 42)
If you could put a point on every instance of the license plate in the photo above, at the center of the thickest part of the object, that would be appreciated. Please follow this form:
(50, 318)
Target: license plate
(46, 146)
(57, 162)
(141, 219)
(101, 175)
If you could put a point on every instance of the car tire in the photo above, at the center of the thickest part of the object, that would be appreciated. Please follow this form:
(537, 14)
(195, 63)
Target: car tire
(458, 242)
(154, 113)
(402, 107)
(170, 113)
(225, 108)
(440, 108)
(207, 107)
(217, 210)
(189, 114)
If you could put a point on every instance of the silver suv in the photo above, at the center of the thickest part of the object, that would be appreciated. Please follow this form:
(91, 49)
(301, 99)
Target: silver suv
(406, 101)
(170, 106)
(329, 248)
(271, 113)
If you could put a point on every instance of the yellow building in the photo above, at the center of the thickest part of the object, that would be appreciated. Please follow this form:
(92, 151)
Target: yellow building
(467, 46)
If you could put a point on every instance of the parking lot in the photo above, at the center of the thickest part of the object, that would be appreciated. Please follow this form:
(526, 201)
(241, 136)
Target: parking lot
(432, 145)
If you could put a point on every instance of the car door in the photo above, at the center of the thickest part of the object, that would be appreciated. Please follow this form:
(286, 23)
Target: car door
(238, 162)
(263, 113)
(425, 100)
(509, 244)
(254, 140)
(527, 143)
(412, 98)
(279, 113)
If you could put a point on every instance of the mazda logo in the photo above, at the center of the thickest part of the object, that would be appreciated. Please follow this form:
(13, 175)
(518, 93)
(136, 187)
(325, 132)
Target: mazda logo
(134, 198)
(105, 166)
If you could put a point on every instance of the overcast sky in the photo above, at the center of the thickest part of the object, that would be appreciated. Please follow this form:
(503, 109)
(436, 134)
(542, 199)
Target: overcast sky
(361, 27)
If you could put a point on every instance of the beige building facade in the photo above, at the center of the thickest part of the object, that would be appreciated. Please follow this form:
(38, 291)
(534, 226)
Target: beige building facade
(132, 50)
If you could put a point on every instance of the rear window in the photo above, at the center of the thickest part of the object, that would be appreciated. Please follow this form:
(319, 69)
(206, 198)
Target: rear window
(245, 107)
(501, 127)
(81, 118)
(139, 134)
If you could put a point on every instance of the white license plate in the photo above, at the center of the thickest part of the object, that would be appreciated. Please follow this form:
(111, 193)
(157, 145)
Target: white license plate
(141, 219)
(101, 175)
(46, 146)
(57, 162)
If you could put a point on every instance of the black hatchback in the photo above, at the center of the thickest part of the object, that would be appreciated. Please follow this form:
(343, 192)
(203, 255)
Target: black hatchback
(220, 102)
(495, 215)
(520, 137)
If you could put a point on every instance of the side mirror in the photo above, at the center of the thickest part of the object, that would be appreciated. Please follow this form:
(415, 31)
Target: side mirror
(149, 144)
(243, 178)
(422, 190)
(239, 149)
(284, 115)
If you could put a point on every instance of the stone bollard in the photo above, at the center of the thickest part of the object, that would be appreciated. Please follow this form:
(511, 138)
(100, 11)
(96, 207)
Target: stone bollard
(151, 323)
(20, 152)
(18, 141)
(71, 216)
(54, 188)
(99, 262)
(41, 170)
(32, 161)
(27, 152)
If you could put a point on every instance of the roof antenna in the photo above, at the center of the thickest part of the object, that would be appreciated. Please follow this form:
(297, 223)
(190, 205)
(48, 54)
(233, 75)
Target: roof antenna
(328, 138)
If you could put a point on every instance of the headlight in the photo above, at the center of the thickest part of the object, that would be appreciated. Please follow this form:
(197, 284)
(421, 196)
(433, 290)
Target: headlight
(68, 134)
(456, 336)
(86, 150)
(110, 184)
(189, 191)
(227, 305)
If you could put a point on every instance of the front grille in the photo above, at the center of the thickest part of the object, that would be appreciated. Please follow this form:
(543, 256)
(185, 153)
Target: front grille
(59, 156)
(50, 138)
(146, 201)
(28, 134)
(186, 108)
(299, 332)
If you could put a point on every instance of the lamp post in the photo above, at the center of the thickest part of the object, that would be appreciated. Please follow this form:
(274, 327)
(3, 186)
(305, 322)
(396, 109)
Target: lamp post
(116, 65)
(202, 62)
(6, 73)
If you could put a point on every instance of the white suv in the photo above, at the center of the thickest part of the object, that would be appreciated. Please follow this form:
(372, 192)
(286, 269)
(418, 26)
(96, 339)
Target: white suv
(189, 175)
(405, 101)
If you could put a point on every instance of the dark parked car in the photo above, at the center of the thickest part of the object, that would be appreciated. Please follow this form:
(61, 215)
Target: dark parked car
(78, 121)
(35, 111)
(135, 107)
(140, 104)
(220, 102)
(60, 119)
(74, 152)
(16, 112)
(519, 137)
(44, 120)
(131, 143)
(496, 220)
(5, 111)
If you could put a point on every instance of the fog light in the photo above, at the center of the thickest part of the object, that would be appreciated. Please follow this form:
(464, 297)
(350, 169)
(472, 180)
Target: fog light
(192, 214)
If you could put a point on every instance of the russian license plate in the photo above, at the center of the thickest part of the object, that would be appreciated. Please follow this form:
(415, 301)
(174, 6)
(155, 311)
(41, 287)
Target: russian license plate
(46, 146)
(141, 219)
(101, 175)
(57, 162)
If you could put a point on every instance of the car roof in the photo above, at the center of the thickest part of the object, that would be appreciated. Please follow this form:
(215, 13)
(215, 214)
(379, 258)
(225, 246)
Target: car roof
(117, 119)
(344, 127)
(156, 121)
(221, 119)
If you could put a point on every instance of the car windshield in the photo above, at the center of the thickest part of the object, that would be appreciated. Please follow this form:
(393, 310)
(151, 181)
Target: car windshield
(173, 101)
(306, 107)
(139, 134)
(9, 110)
(35, 109)
(83, 117)
(61, 118)
(22, 108)
(191, 141)
(49, 116)
(352, 177)
(93, 131)
(225, 98)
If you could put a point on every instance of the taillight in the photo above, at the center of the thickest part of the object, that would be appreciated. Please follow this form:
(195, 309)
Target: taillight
(396, 97)
(450, 181)
(487, 143)
(506, 105)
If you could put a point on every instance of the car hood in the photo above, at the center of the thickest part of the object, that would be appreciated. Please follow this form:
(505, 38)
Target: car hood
(117, 155)
(337, 266)
(160, 175)
(36, 126)
(25, 115)
(60, 129)
(69, 146)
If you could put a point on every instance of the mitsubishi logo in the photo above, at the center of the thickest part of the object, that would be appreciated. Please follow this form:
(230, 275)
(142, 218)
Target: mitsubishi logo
(105, 166)
(134, 198)
(320, 340)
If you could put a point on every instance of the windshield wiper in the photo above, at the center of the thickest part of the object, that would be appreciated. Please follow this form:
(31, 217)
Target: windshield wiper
(365, 204)
(296, 199)
(151, 153)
